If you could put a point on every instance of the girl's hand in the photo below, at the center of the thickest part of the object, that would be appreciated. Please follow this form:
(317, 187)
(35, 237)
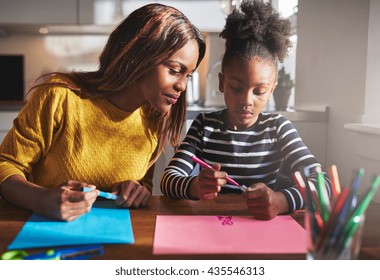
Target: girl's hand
(208, 183)
(131, 194)
(66, 201)
(263, 203)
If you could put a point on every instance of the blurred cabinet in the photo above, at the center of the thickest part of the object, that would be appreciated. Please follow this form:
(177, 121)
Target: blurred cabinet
(207, 15)
(6, 122)
(38, 12)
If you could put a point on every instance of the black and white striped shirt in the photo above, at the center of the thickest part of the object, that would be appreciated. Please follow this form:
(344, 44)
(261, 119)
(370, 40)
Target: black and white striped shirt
(269, 152)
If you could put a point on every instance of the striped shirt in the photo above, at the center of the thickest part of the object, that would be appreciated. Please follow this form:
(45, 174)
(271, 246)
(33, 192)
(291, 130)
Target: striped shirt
(270, 151)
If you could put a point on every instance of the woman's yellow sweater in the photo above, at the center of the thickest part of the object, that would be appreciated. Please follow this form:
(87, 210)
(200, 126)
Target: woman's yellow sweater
(59, 136)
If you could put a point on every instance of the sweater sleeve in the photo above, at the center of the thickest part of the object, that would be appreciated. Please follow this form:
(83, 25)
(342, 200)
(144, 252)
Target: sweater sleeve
(147, 180)
(177, 177)
(296, 157)
(31, 135)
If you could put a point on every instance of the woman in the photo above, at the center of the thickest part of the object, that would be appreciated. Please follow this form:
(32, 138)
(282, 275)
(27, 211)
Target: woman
(103, 129)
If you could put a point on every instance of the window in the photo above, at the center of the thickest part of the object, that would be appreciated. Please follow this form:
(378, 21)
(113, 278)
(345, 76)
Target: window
(288, 9)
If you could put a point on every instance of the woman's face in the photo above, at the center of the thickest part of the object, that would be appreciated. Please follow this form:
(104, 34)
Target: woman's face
(164, 84)
(247, 86)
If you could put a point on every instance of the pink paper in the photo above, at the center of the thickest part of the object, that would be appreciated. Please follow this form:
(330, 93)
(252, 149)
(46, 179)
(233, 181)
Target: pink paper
(228, 235)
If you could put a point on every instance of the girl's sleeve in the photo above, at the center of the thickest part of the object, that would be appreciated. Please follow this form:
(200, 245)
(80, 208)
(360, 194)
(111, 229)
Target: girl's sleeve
(177, 177)
(31, 136)
(296, 157)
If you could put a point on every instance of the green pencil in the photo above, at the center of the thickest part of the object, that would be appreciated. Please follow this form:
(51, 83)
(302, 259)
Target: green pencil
(354, 221)
(322, 194)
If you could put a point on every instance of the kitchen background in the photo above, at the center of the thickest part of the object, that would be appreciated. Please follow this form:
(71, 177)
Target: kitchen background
(334, 62)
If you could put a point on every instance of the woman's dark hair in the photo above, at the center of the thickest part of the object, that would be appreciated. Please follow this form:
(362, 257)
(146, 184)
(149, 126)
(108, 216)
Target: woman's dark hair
(256, 29)
(147, 37)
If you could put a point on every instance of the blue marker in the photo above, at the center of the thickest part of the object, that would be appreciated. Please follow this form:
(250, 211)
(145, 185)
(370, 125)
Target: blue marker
(102, 194)
(355, 186)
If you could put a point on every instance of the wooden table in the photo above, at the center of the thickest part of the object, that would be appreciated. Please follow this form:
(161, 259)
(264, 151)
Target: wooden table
(12, 219)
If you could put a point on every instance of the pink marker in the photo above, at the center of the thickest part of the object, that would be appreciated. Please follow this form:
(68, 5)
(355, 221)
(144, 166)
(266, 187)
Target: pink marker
(230, 180)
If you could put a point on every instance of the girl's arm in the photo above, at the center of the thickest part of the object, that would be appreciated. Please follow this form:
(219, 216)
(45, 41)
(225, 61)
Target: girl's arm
(296, 157)
(177, 178)
(264, 203)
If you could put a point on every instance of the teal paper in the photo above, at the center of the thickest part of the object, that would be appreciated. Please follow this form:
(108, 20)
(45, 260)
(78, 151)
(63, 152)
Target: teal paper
(105, 223)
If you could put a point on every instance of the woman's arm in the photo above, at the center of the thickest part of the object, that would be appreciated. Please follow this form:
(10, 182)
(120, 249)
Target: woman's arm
(25, 144)
(64, 202)
(135, 193)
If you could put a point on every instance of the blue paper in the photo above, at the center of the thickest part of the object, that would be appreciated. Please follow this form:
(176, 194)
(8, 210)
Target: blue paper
(105, 223)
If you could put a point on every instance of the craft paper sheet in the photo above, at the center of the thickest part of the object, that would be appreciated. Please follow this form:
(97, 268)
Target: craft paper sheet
(105, 223)
(228, 235)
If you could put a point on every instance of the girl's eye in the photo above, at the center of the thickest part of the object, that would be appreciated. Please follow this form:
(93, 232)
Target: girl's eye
(260, 92)
(235, 89)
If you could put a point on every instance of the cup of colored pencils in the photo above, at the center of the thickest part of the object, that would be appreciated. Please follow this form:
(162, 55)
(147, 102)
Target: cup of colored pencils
(335, 221)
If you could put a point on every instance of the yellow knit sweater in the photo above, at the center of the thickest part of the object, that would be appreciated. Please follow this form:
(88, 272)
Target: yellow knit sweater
(59, 136)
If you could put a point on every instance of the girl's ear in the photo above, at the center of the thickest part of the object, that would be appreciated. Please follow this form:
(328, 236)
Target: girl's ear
(221, 82)
(273, 88)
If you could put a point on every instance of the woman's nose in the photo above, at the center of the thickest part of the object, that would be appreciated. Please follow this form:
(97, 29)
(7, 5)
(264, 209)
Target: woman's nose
(180, 85)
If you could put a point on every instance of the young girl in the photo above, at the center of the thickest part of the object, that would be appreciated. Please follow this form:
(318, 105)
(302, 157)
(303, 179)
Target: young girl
(251, 146)
(104, 128)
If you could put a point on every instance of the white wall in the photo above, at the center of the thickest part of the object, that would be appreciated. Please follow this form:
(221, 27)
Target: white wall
(331, 70)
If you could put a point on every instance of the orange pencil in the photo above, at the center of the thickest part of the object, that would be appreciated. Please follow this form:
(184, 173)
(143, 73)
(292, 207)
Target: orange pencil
(334, 182)
(301, 183)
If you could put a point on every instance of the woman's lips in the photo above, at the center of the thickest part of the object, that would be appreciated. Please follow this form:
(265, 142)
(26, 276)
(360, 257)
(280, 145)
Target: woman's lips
(172, 98)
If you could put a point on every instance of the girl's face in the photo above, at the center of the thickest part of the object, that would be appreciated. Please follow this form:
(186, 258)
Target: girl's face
(247, 87)
(164, 84)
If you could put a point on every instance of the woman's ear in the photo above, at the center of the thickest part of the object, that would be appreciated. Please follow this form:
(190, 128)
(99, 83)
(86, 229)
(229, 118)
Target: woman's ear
(221, 82)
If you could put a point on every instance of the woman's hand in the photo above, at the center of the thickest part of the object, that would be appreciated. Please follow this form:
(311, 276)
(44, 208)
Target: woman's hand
(66, 201)
(131, 194)
(263, 203)
(208, 183)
